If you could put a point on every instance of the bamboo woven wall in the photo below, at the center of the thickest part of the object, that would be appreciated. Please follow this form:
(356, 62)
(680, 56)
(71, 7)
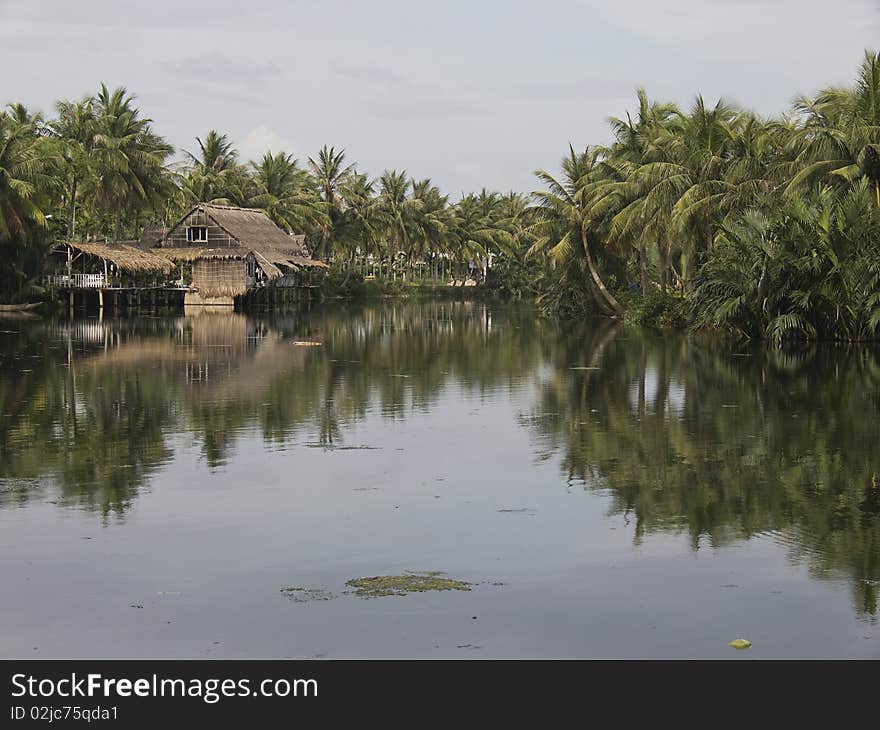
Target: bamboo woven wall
(220, 277)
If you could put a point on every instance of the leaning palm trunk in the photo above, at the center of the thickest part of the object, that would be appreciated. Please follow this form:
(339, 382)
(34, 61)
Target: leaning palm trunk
(603, 296)
(603, 306)
(643, 269)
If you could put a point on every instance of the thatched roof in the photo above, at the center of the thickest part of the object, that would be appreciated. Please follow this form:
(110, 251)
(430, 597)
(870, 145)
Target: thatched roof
(255, 231)
(308, 263)
(189, 253)
(227, 252)
(251, 227)
(268, 267)
(124, 257)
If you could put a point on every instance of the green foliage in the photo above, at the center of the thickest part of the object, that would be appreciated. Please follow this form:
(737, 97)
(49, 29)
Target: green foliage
(760, 228)
(657, 310)
(511, 278)
(345, 285)
(806, 271)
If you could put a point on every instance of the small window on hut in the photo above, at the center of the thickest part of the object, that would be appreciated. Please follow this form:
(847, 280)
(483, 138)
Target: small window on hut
(197, 234)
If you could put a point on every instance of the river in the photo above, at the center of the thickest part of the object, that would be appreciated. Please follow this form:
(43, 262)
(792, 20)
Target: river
(205, 486)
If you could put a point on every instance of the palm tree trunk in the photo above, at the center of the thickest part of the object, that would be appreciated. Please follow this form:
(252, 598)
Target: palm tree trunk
(643, 269)
(117, 225)
(664, 267)
(606, 296)
(71, 213)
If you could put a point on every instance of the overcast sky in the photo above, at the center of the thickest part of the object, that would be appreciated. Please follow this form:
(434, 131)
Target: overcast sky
(471, 93)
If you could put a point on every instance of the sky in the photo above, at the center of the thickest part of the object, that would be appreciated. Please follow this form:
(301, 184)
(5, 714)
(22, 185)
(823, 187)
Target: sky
(471, 94)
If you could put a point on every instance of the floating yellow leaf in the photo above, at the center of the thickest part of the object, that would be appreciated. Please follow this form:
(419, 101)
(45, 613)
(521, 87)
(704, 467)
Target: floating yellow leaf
(740, 643)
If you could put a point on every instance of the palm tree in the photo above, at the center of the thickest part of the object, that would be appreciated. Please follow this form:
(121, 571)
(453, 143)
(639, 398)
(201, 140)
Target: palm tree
(636, 144)
(396, 210)
(21, 116)
(564, 224)
(838, 139)
(75, 130)
(287, 193)
(330, 171)
(128, 157)
(358, 230)
(214, 175)
(25, 164)
(216, 153)
(430, 220)
(23, 181)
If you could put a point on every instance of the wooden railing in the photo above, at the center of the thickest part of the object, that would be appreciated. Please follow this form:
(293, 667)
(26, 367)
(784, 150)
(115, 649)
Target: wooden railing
(77, 281)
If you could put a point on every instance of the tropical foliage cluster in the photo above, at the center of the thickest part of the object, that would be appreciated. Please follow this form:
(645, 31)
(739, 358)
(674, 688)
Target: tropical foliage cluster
(766, 228)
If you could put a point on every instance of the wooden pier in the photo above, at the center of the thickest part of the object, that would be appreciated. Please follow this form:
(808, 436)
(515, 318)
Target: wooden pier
(171, 299)
(125, 300)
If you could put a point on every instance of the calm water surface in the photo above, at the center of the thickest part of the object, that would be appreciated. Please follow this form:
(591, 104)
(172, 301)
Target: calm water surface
(608, 492)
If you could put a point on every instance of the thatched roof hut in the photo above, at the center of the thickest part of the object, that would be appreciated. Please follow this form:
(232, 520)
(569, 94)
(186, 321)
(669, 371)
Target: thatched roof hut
(232, 250)
(248, 228)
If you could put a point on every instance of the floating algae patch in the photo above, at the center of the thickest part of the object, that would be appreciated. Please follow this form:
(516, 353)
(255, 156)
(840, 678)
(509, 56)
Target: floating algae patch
(298, 594)
(401, 585)
(333, 447)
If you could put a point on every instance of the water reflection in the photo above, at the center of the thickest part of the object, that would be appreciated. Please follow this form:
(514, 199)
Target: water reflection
(684, 437)
(727, 445)
(95, 404)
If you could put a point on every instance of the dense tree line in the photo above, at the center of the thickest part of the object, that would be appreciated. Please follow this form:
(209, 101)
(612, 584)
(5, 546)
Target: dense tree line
(712, 215)
(98, 170)
(766, 227)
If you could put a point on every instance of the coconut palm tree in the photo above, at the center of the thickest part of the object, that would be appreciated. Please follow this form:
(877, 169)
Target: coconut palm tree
(396, 210)
(330, 171)
(636, 145)
(359, 230)
(216, 153)
(128, 157)
(214, 174)
(25, 181)
(287, 193)
(430, 221)
(838, 139)
(21, 116)
(74, 128)
(565, 228)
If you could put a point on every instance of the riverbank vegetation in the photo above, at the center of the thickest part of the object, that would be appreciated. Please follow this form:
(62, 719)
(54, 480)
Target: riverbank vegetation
(711, 216)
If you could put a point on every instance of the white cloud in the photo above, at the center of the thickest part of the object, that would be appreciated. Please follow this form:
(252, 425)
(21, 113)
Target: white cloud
(260, 140)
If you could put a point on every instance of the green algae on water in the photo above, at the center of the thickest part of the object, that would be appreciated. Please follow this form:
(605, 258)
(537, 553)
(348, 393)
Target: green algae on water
(299, 594)
(401, 585)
